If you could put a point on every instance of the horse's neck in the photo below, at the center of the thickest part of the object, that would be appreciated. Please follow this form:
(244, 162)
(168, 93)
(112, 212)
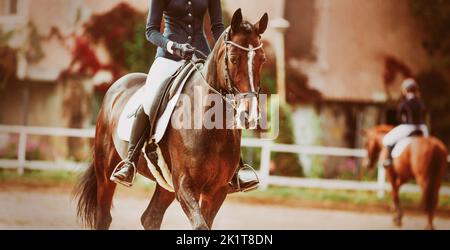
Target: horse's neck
(195, 84)
(213, 72)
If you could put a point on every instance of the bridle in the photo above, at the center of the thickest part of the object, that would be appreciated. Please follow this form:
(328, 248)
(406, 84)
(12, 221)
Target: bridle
(251, 52)
(231, 87)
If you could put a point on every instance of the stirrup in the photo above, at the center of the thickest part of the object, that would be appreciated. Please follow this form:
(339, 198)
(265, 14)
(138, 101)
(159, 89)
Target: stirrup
(125, 183)
(246, 166)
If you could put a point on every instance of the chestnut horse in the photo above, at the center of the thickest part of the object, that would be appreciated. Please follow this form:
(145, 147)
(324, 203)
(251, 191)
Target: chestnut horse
(202, 161)
(424, 159)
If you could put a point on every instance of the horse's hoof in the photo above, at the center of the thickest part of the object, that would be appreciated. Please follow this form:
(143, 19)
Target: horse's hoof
(397, 221)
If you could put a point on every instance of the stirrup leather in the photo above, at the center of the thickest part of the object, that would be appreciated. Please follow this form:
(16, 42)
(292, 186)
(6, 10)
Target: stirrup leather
(246, 166)
(125, 183)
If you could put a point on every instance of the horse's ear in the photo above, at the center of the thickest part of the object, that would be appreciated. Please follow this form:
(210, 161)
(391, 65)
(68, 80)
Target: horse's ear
(236, 21)
(261, 26)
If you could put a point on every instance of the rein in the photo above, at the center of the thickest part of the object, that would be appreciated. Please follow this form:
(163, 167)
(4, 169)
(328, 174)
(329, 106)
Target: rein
(229, 81)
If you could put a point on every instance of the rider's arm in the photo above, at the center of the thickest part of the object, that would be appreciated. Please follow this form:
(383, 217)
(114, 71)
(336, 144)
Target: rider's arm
(153, 29)
(401, 111)
(215, 13)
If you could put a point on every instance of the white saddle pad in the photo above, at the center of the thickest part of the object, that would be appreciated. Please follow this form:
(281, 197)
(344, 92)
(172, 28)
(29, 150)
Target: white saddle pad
(400, 147)
(126, 118)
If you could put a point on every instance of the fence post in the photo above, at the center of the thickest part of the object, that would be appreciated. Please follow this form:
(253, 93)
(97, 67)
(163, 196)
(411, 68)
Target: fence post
(264, 172)
(22, 152)
(381, 180)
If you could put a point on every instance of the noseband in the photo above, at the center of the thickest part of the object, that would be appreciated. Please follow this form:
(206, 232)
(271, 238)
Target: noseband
(232, 89)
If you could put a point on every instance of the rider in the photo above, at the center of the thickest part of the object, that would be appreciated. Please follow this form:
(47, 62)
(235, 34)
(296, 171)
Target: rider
(411, 116)
(183, 30)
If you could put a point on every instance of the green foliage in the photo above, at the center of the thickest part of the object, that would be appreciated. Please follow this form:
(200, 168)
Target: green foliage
(286, 164)
(35, 53)
(317, 167)
(122, 30)
(37, 176)
(8, 57)
(268, 81)
(434, 16)
(289, 195)
(435, 91)
(139, 52)
(5, 36)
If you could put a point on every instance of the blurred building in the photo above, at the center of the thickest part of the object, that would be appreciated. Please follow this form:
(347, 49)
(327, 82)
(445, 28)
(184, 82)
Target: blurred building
(42, 41)
(353, 53)
(43, 32)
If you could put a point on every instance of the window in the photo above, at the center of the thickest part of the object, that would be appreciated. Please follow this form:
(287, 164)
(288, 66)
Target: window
(8, 7)
(13, 12)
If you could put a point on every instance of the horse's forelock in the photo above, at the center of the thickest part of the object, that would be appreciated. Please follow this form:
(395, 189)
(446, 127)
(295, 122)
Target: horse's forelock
(247, 27)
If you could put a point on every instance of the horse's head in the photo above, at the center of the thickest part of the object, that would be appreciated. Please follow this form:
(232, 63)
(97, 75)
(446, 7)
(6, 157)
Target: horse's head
(244, 57)
(373, 144)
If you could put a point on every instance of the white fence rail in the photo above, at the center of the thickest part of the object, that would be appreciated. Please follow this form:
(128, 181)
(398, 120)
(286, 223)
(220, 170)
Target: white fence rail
(267, 147)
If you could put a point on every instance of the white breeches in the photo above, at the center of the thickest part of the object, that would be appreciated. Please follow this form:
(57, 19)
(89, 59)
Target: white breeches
(161, 70)
(402, 131)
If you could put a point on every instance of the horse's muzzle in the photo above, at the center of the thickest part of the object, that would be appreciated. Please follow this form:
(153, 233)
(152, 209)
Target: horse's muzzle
(247, 113)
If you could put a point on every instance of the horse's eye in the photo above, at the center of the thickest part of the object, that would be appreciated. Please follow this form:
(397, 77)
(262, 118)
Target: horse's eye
(234, 59)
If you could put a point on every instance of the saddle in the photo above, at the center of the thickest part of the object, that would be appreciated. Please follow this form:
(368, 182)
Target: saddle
(166, 102)
(172, 84)
(401, 145)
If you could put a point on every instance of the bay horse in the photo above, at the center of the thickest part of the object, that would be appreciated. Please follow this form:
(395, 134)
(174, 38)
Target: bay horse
(202, 161)
(424, 159)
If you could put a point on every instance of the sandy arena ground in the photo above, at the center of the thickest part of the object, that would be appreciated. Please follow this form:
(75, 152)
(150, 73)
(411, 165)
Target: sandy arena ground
(44, 210)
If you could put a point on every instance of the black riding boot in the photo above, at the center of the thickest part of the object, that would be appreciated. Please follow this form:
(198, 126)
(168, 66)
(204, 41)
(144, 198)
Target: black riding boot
(389, 161)
(239, 185)
(125, 174)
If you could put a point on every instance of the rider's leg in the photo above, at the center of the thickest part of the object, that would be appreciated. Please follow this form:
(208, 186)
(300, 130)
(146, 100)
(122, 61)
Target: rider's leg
(139, 134)
(391, 138)
(389, 141)
(388, 161)
(160, 71)
(239, 185)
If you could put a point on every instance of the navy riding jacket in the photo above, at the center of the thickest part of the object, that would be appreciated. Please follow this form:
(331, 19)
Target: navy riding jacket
(411, 111)
(183, 23)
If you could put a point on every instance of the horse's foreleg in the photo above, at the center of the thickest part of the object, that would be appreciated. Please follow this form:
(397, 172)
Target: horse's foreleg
(189, 196)
(211, 203)
(153, 215)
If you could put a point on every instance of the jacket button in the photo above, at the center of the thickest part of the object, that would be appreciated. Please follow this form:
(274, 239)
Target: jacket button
(189, 37)
(190, 3)
(189, 26)
(190, 14)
